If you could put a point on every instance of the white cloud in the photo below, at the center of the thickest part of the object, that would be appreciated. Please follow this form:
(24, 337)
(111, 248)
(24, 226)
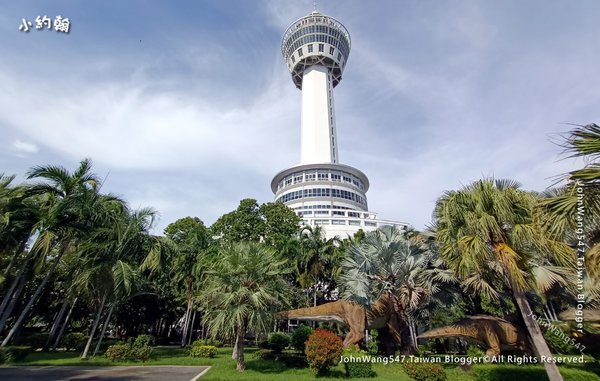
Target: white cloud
(126, 127)
(24, 147)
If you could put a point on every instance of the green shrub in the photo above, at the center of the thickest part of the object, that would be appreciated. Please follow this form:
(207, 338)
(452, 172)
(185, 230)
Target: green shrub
(475, 351)
(118, 352)
(323, 350)
(141, 353)
(203, 351)
(373, 346)
(516, 372)
(278, 341)
(12, 354)
(424, 371)
(74, 341)
(143, 341)
(138, 349)
(354, 365)
(557, 343)
(300, 336)
(214, 343)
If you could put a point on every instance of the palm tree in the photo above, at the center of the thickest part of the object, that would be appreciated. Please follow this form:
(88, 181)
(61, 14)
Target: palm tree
(388, 264)
(71, 206)
(488, 231)
(113, 254)
(574, 209)
(191, 239)
(584, 141)
(18, 215)
(319, 260)
(246, 287)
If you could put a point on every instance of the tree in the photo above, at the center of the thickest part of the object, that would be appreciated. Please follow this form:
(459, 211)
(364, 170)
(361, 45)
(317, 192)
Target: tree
(243, 224)
(280, 223)
(388, 264)
(487, 231)
(71, 206)
(191, 240)
(584, 141)
(246, 287)
(270, 223)
(114, 253)
(319, 262)
(18, 215)
(574, 209)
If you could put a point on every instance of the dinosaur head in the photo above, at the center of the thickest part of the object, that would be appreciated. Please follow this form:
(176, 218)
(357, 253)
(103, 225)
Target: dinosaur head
(282, 314)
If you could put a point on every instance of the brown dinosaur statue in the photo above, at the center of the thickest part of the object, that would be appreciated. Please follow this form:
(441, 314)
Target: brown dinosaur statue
(494, 333)
(380, 315)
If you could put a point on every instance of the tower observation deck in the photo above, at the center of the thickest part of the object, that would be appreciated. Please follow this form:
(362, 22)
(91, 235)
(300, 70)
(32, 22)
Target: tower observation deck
(320, 189)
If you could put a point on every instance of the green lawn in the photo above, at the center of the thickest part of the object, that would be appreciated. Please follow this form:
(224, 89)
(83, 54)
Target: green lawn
(223, 367)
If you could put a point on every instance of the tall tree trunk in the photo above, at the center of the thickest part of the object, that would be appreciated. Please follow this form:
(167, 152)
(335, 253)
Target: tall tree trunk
(235, 347)
(19, 279)
(12, 303)
(239, 349)
(56, 324)
(553, 312)
(540, 346)
(191, 333)
(94, 326)
(32, 300)
(186, 321)
(64, 326)
(406, 343)
(103, 329)
(18, 251)
(8, 295)
(413, 331)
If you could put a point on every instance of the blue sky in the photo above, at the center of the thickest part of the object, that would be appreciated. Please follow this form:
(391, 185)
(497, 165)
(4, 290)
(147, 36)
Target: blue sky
(187, 106)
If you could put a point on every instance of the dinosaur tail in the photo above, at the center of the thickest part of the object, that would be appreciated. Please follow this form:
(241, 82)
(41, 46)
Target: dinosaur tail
(452, 331)
(319, 313)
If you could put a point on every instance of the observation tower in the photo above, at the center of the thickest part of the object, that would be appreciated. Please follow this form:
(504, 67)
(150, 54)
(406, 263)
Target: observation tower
(320, 189)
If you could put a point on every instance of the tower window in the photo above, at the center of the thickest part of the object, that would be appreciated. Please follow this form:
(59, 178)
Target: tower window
(300, 52)
(321, 47)
(310, 48)
(330, 50)
(339, 56)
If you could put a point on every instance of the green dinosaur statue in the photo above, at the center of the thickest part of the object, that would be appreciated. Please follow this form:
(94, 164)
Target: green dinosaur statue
(494, 333)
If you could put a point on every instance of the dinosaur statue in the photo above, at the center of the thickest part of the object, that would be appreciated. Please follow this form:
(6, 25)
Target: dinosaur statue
(380, 315)
(489, 331)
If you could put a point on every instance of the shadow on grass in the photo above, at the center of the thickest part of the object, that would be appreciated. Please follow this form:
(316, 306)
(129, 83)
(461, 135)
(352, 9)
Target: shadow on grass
(273, 366)
(265, 366)
(333, 374)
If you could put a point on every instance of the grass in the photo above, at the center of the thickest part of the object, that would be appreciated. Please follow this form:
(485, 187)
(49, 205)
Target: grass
(223, 367)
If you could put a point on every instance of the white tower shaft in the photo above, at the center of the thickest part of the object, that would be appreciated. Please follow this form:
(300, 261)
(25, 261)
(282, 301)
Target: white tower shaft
(318, 132)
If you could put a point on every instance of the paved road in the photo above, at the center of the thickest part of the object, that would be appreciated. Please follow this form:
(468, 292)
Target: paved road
(108, 373)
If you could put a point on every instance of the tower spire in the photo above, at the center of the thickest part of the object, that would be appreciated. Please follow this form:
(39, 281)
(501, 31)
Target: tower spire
(321, 190)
